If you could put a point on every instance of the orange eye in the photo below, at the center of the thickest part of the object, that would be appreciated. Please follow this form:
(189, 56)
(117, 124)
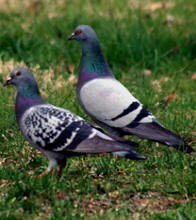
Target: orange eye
(18, 73)
(79, 31)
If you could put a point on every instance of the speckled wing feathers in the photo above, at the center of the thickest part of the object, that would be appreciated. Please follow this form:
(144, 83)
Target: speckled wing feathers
(54, 128)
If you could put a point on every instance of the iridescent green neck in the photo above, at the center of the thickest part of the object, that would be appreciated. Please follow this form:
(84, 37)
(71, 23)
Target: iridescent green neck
(93, 61)
(28, 96)
(29, 90)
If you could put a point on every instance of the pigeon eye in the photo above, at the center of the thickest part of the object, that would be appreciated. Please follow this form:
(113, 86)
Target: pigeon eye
(18, 73)
(79, 31)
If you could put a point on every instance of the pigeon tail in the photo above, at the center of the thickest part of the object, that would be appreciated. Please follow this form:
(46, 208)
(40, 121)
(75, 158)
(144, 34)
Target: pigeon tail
(116, 137)
(132, 155)
(155, 132)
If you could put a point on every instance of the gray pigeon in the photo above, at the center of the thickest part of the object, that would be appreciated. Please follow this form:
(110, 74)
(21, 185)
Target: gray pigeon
(109, 103)
(55, 131)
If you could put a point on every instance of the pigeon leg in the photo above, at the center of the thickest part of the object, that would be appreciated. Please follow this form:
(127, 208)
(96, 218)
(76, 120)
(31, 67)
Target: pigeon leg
(104, 154)
(59, 171)
(51, 164)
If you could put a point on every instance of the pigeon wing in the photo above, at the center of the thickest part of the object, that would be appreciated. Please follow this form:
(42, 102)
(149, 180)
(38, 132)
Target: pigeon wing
(56, 129)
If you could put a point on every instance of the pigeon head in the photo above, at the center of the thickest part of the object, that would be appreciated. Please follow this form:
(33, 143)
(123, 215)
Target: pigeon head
(83, 33)
(24, 81)
(93, 64)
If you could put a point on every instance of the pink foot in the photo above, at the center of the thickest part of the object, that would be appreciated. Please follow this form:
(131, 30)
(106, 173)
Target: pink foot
(59, 171)
(104, 154)
(44, 173)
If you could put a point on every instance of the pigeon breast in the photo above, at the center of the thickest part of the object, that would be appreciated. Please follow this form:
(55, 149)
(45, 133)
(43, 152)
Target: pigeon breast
(109, 101)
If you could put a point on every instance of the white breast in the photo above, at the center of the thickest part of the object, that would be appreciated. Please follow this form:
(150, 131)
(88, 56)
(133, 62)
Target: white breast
(107, 98)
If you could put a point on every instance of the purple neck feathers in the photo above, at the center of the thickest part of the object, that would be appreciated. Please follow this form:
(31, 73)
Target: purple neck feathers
(24, 103)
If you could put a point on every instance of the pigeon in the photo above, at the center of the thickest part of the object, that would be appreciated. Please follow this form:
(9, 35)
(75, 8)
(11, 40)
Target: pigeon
(57, 132)
(109, 103)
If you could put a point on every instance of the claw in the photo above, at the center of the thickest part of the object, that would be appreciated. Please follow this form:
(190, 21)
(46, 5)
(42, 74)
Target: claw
(44, 173)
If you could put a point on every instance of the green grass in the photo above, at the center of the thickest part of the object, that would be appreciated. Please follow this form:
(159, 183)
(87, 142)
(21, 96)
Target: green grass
(133, 39)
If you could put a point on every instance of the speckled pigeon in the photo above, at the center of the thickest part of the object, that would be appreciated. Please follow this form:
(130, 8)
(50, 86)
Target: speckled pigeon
(55, 131)
(109, 103)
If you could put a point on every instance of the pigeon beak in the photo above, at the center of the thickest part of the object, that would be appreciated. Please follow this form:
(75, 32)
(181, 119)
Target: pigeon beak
(8, 82)
(72, 36)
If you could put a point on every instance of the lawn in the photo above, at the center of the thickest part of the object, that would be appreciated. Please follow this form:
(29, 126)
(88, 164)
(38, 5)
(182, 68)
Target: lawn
(151, 48)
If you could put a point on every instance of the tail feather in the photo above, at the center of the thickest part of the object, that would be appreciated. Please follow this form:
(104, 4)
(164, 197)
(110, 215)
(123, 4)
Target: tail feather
(130, 155)
(118, 138)
(104, 144)
(156, 132)
(124, 141)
